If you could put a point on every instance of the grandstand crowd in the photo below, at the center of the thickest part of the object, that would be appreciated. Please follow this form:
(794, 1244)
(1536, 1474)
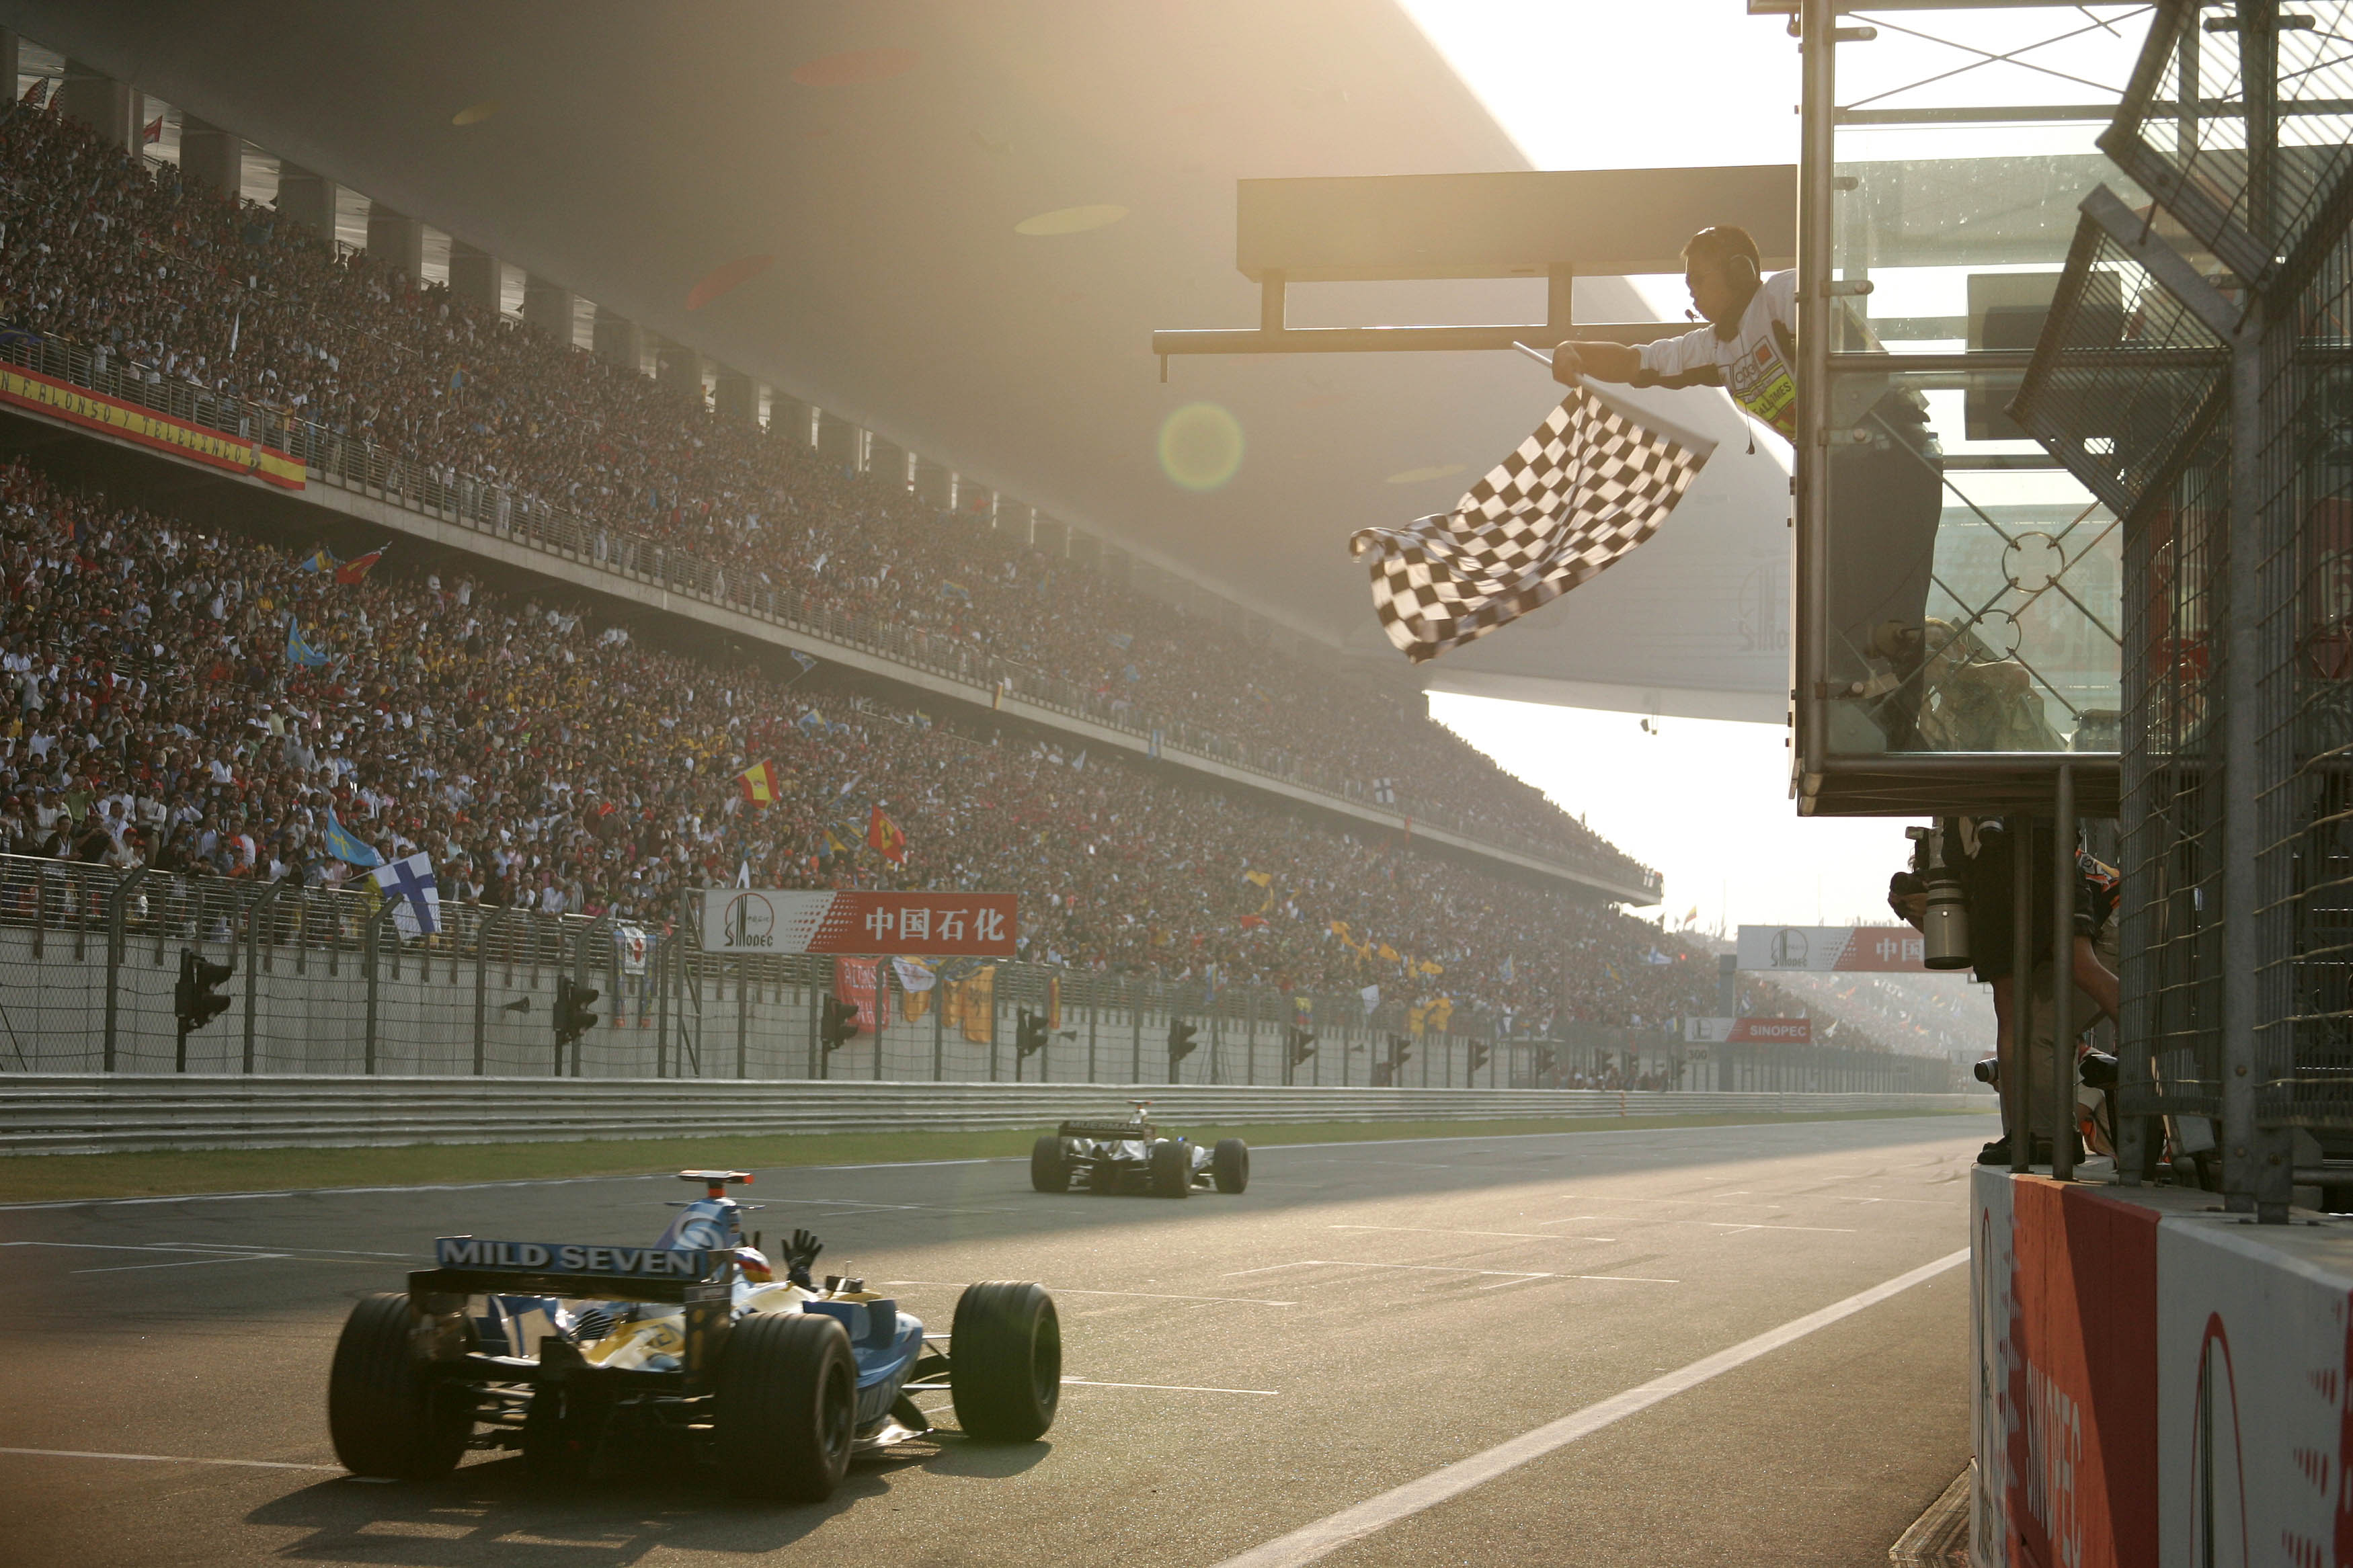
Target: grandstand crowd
(156, 715)
(169, 279)
(544, 759)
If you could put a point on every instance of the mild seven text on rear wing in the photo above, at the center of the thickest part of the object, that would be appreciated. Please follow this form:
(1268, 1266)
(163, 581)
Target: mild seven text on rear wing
(572, 1257)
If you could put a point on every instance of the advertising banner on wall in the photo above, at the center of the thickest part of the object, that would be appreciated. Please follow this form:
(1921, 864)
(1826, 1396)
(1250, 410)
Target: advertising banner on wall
(796, 920)
(1748, 1031)
(1823, 950)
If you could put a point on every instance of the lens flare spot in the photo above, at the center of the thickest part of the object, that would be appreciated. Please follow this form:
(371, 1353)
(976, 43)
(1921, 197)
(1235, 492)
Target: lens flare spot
(475, 113)
(856, 67)
(1070, 220)
(1423, 476)
(1200, 446)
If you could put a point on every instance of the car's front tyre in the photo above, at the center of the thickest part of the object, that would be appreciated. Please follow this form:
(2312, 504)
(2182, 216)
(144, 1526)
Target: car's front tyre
(385, 1413)
(1229, 1165)
(785, 1407)
(1005, 1361)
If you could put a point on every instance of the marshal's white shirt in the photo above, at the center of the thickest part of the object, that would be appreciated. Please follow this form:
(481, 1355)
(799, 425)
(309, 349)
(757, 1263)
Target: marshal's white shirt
(1754, 362)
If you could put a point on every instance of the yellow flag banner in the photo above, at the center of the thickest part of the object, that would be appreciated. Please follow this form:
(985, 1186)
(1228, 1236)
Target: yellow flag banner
(149, 428)
(971, 1000)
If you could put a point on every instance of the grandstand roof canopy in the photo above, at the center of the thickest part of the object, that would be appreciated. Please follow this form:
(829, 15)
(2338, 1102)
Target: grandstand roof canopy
(885, 154)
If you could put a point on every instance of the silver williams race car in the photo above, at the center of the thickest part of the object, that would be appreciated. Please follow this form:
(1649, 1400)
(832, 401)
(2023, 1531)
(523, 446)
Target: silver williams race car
(1134, 1157)
(576, 1354)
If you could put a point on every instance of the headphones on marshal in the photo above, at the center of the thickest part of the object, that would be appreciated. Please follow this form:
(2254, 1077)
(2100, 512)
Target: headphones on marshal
(1740, 270)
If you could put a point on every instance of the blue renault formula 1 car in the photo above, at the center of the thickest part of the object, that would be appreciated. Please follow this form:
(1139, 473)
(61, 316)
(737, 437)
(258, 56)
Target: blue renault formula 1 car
(568, 1351)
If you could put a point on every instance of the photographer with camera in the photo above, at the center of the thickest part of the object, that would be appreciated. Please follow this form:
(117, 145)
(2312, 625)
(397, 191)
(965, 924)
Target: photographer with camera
(1958, 893)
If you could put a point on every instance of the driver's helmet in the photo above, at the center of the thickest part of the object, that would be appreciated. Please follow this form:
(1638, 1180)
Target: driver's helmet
(754, 1265)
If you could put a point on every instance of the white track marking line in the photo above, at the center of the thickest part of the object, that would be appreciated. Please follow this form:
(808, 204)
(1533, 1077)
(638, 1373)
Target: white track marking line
(1164, 1388)
(1324, 1536)
(1514, 1274)
(1714, 1129)
(169, 1459)
(1433, 1230)
(122, 1247)
(1143, 1295)
(193, 1263)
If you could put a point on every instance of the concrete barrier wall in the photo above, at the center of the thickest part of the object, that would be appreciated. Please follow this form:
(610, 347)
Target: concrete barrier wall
(2157, 1382)
(88, 1113)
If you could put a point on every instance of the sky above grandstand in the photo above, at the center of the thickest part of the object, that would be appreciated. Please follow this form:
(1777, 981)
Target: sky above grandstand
(1706, 801)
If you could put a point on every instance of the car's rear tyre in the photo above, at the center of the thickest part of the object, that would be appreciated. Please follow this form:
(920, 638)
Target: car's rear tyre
(785, 1407)
(386, 1414)
(1049, 1172)
(1229, 1163)
(1172, 1169)
(1005, 1361)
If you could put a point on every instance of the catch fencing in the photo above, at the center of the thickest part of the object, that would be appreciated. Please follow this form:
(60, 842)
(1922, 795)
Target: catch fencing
(325, 983)
(97, 1114)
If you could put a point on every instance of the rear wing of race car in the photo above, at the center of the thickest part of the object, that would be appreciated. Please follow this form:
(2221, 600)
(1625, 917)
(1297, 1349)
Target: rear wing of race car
(699, 1280)
(1138, 1128)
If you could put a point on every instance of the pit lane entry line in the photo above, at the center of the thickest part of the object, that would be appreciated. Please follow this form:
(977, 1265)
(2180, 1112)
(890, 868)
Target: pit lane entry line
(1313, 1541)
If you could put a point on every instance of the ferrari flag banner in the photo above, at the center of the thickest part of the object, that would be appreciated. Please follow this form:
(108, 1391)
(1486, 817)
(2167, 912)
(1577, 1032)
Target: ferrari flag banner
(1596, 480)
(1885, 950)
(795, 920)
(149, 428)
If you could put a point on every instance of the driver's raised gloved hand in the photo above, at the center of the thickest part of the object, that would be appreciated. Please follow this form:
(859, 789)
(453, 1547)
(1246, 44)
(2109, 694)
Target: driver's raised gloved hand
(799, 1253)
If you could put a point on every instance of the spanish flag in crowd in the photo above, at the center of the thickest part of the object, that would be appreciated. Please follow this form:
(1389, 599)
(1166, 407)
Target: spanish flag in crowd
(883, 834)
(759, 781)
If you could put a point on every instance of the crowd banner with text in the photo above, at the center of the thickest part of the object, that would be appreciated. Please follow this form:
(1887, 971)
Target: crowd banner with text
(796, 919)
(149, 428)
(1883, 950)
(1750, 1031)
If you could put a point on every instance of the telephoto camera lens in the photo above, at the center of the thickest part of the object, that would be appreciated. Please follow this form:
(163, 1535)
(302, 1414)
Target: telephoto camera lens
(1989, 1071)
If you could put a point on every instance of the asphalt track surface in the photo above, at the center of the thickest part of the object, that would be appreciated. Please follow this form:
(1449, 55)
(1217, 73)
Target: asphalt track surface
(1364, 1320)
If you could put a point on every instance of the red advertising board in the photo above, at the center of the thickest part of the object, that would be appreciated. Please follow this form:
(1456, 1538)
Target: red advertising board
(795, 920)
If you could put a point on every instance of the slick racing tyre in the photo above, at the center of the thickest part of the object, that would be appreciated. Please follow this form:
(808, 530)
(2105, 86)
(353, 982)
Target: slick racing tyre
(1172, 1169)
(785, 1407)
(1047, 1170)
(387, 1415)
(1229, 1163)
(1005, 1361)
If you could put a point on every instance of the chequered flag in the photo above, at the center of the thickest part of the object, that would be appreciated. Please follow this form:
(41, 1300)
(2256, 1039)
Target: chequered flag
(1595, 480)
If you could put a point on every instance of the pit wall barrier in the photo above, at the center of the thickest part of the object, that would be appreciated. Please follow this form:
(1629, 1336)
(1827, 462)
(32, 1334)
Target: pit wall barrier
(2157, 1382)
(101, 1113)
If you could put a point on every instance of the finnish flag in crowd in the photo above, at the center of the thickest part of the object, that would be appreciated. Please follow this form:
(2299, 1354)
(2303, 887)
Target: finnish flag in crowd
(410, 881)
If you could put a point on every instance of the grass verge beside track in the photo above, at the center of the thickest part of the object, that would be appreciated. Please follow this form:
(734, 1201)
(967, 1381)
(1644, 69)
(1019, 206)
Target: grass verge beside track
(50, 1178)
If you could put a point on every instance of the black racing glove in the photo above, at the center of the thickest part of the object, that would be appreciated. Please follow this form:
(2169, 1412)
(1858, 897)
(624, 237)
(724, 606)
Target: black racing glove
(799, 1253)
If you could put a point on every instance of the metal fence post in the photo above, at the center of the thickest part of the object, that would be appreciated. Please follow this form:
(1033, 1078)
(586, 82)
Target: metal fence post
(743, 1015)
(2016, 1072)
(116, 906)
(483, 930)
(2063, 977)
(816, 1015)
(253, 913)
(370, 937)
(939, 1023)
(1135, 1031)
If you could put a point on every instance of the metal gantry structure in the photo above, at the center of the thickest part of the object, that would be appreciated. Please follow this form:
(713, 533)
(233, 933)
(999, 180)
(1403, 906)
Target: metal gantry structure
(2186, 384)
